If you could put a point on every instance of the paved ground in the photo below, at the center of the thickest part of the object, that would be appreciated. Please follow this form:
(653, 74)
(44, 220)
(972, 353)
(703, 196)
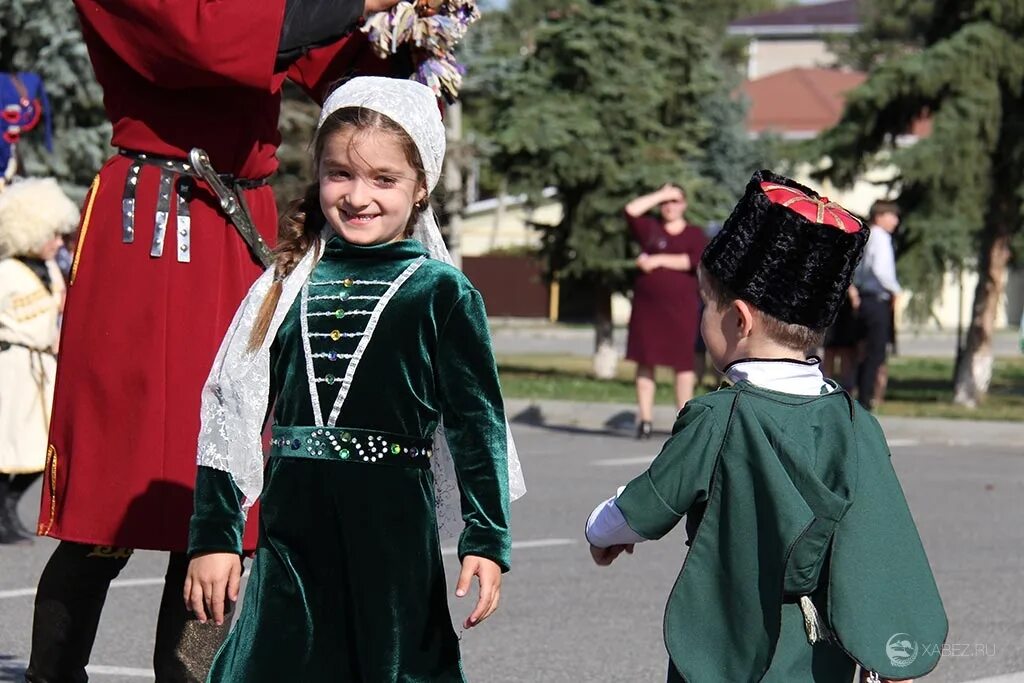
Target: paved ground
(521, 336)
(565, 620)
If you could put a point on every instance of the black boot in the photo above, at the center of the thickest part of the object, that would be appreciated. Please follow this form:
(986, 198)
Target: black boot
(9, 534)
(644, 429)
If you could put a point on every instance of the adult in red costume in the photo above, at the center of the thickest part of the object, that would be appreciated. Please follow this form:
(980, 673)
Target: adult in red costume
(157, 276)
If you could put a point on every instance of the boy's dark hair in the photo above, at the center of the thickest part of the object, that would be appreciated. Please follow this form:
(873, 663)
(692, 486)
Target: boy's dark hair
(791, 335)
(883, 206)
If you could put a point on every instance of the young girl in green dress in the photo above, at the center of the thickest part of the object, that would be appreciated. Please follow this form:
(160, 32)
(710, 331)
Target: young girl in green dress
(388, 422)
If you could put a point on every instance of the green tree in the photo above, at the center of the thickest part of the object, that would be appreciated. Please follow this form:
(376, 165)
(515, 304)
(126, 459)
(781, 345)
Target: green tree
(44, 37)
(608, 100)
(961, 186)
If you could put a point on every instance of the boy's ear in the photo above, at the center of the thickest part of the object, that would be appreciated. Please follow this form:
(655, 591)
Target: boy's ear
(744, 317)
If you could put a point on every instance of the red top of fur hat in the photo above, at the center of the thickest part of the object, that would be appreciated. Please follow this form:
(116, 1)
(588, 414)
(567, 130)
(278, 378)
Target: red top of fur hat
(819, 210)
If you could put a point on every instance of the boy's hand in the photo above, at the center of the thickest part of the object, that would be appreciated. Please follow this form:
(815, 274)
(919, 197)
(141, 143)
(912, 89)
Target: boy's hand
(212, 578)
(488, 573)
(605, 556)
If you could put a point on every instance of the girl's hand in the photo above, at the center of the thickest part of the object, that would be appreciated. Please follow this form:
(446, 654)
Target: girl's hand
(488, 574)
(605, 556)
(211, 578)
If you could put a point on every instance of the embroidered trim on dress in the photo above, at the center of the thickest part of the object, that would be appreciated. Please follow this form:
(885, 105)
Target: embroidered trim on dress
(346, 383)
(310, 371)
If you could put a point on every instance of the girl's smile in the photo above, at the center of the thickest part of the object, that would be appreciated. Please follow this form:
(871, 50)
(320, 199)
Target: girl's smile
(367, 186)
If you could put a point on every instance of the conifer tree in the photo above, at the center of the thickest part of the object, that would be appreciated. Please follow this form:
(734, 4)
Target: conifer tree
(607, 101)
(961, 186)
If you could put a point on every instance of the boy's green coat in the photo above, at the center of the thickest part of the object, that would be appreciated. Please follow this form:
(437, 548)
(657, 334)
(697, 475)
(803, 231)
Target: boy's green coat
(788, 496)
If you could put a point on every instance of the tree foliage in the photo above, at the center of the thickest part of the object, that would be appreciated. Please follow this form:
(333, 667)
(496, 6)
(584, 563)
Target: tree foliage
(961, 186)
(44, 37)
(608, 100)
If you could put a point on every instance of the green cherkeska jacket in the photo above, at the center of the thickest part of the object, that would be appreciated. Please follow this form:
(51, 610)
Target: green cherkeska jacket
(788, 496)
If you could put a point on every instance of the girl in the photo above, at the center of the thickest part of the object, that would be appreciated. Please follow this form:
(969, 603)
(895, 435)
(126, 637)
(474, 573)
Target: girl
(34, 214)
(368, 344)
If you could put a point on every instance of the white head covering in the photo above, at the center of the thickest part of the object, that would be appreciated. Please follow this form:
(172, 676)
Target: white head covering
(235, 397)
(413, 106)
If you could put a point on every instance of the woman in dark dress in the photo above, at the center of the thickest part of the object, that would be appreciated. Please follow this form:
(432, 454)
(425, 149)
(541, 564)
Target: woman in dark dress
(666, 302)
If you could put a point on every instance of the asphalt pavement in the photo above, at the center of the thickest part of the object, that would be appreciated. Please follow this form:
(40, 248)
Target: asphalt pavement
(565, 620)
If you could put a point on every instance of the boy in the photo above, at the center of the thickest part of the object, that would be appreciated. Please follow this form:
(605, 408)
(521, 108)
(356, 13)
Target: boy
(804, 561)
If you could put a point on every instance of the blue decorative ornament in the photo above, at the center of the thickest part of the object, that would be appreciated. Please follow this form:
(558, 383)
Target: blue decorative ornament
(23, 104)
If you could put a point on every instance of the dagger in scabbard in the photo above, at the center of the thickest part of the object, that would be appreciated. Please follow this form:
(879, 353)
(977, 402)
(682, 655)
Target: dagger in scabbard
(232, 205)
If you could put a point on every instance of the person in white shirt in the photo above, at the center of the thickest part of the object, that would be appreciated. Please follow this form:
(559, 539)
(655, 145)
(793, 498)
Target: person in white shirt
(878, 287)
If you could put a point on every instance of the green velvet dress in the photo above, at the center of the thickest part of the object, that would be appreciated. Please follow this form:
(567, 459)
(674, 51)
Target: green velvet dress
(347, 582)
(787, 497)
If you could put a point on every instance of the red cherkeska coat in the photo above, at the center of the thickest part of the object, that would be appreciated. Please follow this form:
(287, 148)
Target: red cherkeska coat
(140, 332)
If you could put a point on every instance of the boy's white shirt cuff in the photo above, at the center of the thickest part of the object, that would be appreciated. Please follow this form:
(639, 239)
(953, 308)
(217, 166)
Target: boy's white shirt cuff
(607, 526)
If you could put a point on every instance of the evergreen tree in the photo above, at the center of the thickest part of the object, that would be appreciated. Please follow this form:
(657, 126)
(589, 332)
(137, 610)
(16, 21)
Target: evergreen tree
(608, 100)
(44, 37)
(961, 187)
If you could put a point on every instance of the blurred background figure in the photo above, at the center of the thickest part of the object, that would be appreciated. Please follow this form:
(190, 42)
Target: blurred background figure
(34, 216)
(664, 323)
(876, 281)
(842, 342)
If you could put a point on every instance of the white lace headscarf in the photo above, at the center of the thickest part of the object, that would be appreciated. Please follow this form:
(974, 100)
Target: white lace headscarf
(235, 397)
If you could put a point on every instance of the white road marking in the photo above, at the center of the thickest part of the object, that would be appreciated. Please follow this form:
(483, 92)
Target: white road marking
(100, 670)
(898, 443)
(132, 583)
(117, 583)
(620, 462)
(525, 545)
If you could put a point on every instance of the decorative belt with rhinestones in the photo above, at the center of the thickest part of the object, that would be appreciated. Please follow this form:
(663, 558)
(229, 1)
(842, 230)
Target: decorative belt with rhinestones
(355, 445)
(177, 176)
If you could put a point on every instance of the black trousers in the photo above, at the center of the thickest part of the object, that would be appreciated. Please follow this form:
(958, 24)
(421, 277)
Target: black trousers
(876, 320)
(69, 601)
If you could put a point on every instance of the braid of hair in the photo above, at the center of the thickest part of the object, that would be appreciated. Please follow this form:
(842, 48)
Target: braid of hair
(297, 233)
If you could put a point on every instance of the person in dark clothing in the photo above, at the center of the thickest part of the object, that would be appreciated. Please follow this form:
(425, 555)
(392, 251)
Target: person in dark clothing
(878, 287)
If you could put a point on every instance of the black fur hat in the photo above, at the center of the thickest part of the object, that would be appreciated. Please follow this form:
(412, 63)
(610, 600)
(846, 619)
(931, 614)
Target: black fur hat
(787, 251)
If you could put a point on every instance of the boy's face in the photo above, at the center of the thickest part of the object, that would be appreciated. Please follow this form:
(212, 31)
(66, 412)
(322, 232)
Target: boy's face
(718, 327)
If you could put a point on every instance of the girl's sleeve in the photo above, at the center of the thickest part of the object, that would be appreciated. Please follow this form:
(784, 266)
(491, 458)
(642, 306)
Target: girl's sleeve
(474, 422)
(678, 479)
(217, 522)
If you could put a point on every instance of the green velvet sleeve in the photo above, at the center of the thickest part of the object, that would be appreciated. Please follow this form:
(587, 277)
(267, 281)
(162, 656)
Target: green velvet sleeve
(474, 422)
(679, 477)
(217, 522)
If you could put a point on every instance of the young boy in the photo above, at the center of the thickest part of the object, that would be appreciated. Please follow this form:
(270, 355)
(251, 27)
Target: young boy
(804, 560)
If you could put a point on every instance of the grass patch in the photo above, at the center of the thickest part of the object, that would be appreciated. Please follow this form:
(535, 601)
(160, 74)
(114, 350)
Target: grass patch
(918, 387)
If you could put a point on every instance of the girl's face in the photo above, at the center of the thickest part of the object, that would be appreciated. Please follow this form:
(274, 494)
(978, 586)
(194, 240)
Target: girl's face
(367, 186)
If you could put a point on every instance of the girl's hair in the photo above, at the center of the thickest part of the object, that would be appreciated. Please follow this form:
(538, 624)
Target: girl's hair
(299, 228)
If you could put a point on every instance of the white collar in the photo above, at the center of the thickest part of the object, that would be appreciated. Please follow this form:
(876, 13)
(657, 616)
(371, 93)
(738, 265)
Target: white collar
(786, 376)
